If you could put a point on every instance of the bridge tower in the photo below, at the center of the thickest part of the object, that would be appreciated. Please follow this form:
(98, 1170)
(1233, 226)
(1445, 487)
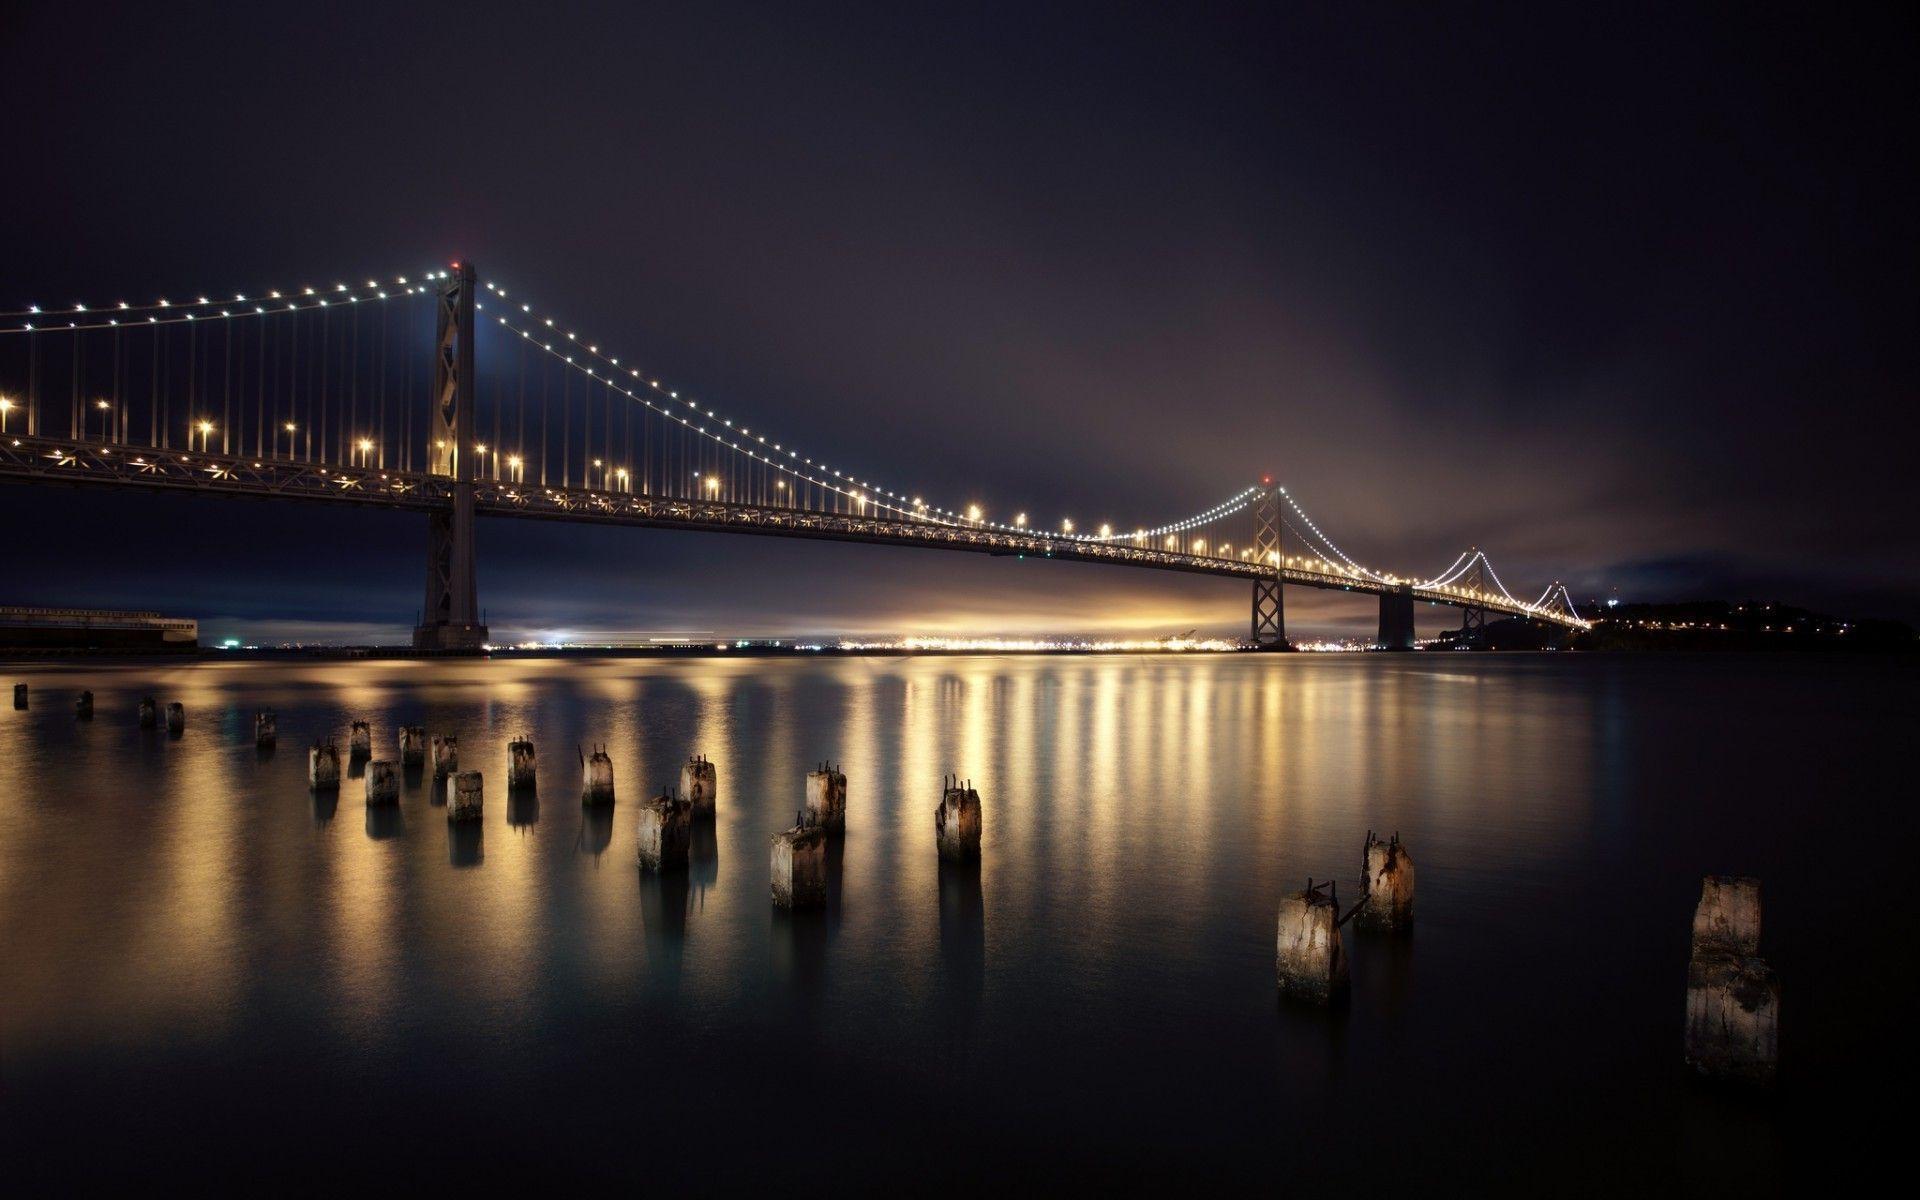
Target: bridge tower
(1473, 617)
(1269, 606)
(450, 619)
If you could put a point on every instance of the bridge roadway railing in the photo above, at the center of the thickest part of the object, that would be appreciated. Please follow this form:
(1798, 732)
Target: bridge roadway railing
(81, 464)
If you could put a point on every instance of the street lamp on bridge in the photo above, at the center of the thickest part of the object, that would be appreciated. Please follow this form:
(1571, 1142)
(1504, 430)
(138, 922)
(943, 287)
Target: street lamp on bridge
(103, 408)
(205, 429)
(6, 406)
(289, 427)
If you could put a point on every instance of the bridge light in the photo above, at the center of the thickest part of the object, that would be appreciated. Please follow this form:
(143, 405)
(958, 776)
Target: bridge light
(1019, 519)
(973, 512)
(1106, 531)
(1066, 526)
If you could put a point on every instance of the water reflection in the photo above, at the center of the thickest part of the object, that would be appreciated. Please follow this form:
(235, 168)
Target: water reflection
(523, 807)
(466, 844)
(384, 821)
(596, 829)
(963, 943)
(703, 854)
(1142, 816)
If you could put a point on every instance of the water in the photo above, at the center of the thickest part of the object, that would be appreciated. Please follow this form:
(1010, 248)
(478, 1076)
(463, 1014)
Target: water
(209, 971)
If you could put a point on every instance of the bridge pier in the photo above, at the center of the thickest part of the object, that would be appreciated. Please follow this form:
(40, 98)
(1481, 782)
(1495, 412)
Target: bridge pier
(1396, 619)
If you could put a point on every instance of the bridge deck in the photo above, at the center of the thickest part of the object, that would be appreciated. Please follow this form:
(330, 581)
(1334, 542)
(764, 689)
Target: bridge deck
(81, 464)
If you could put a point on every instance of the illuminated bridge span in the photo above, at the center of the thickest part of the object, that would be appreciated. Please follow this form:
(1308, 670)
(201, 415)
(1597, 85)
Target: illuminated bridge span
(385, 393)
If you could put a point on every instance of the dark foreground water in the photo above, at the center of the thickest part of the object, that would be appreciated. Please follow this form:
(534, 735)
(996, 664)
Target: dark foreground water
(213, 978)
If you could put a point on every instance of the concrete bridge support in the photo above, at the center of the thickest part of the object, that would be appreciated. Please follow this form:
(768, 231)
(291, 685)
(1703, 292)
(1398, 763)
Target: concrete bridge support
(446, 756)
(701, 784)
(1388, 875)
(597, 787)
(383, 783)
(827, 799)
(1309, 955)
(413, 746)
(323, 767)
(800, 866)
(521, 766)
(1733, 997)
(147, 712)
(956, 823)
(1396, 619)
(360, 740)
(465, 793)
(266, 728)
(666, 833)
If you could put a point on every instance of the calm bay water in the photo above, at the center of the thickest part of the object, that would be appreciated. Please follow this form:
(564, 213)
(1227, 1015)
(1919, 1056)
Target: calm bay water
(209, 971)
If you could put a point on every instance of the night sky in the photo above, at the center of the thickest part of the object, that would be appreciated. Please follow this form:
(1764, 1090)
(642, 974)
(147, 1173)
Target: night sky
(1628, 300)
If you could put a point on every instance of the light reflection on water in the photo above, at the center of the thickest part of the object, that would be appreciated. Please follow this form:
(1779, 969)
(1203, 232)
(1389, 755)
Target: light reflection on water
(1097, 995)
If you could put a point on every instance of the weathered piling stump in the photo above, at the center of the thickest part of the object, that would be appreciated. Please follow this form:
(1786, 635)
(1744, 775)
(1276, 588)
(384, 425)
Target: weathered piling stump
(596, 786)
(1309, 955)
(83, 706)
(700, 784)
(827, 798)
(266, 728)
(1733, 1018)
(176, 718)
(1733, 997)
(149, 713)
(360, 740)
(413, 746)
(19, 695)
(521, 765)
(383, 782)
(666, 829)
(323, 767)
(464, 796)
(800, 865)
(1727, 919)
(446, 756)
(956, 822)
(1388, 877)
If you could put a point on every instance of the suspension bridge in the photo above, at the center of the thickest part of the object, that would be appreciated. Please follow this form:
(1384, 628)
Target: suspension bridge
(373, 393)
